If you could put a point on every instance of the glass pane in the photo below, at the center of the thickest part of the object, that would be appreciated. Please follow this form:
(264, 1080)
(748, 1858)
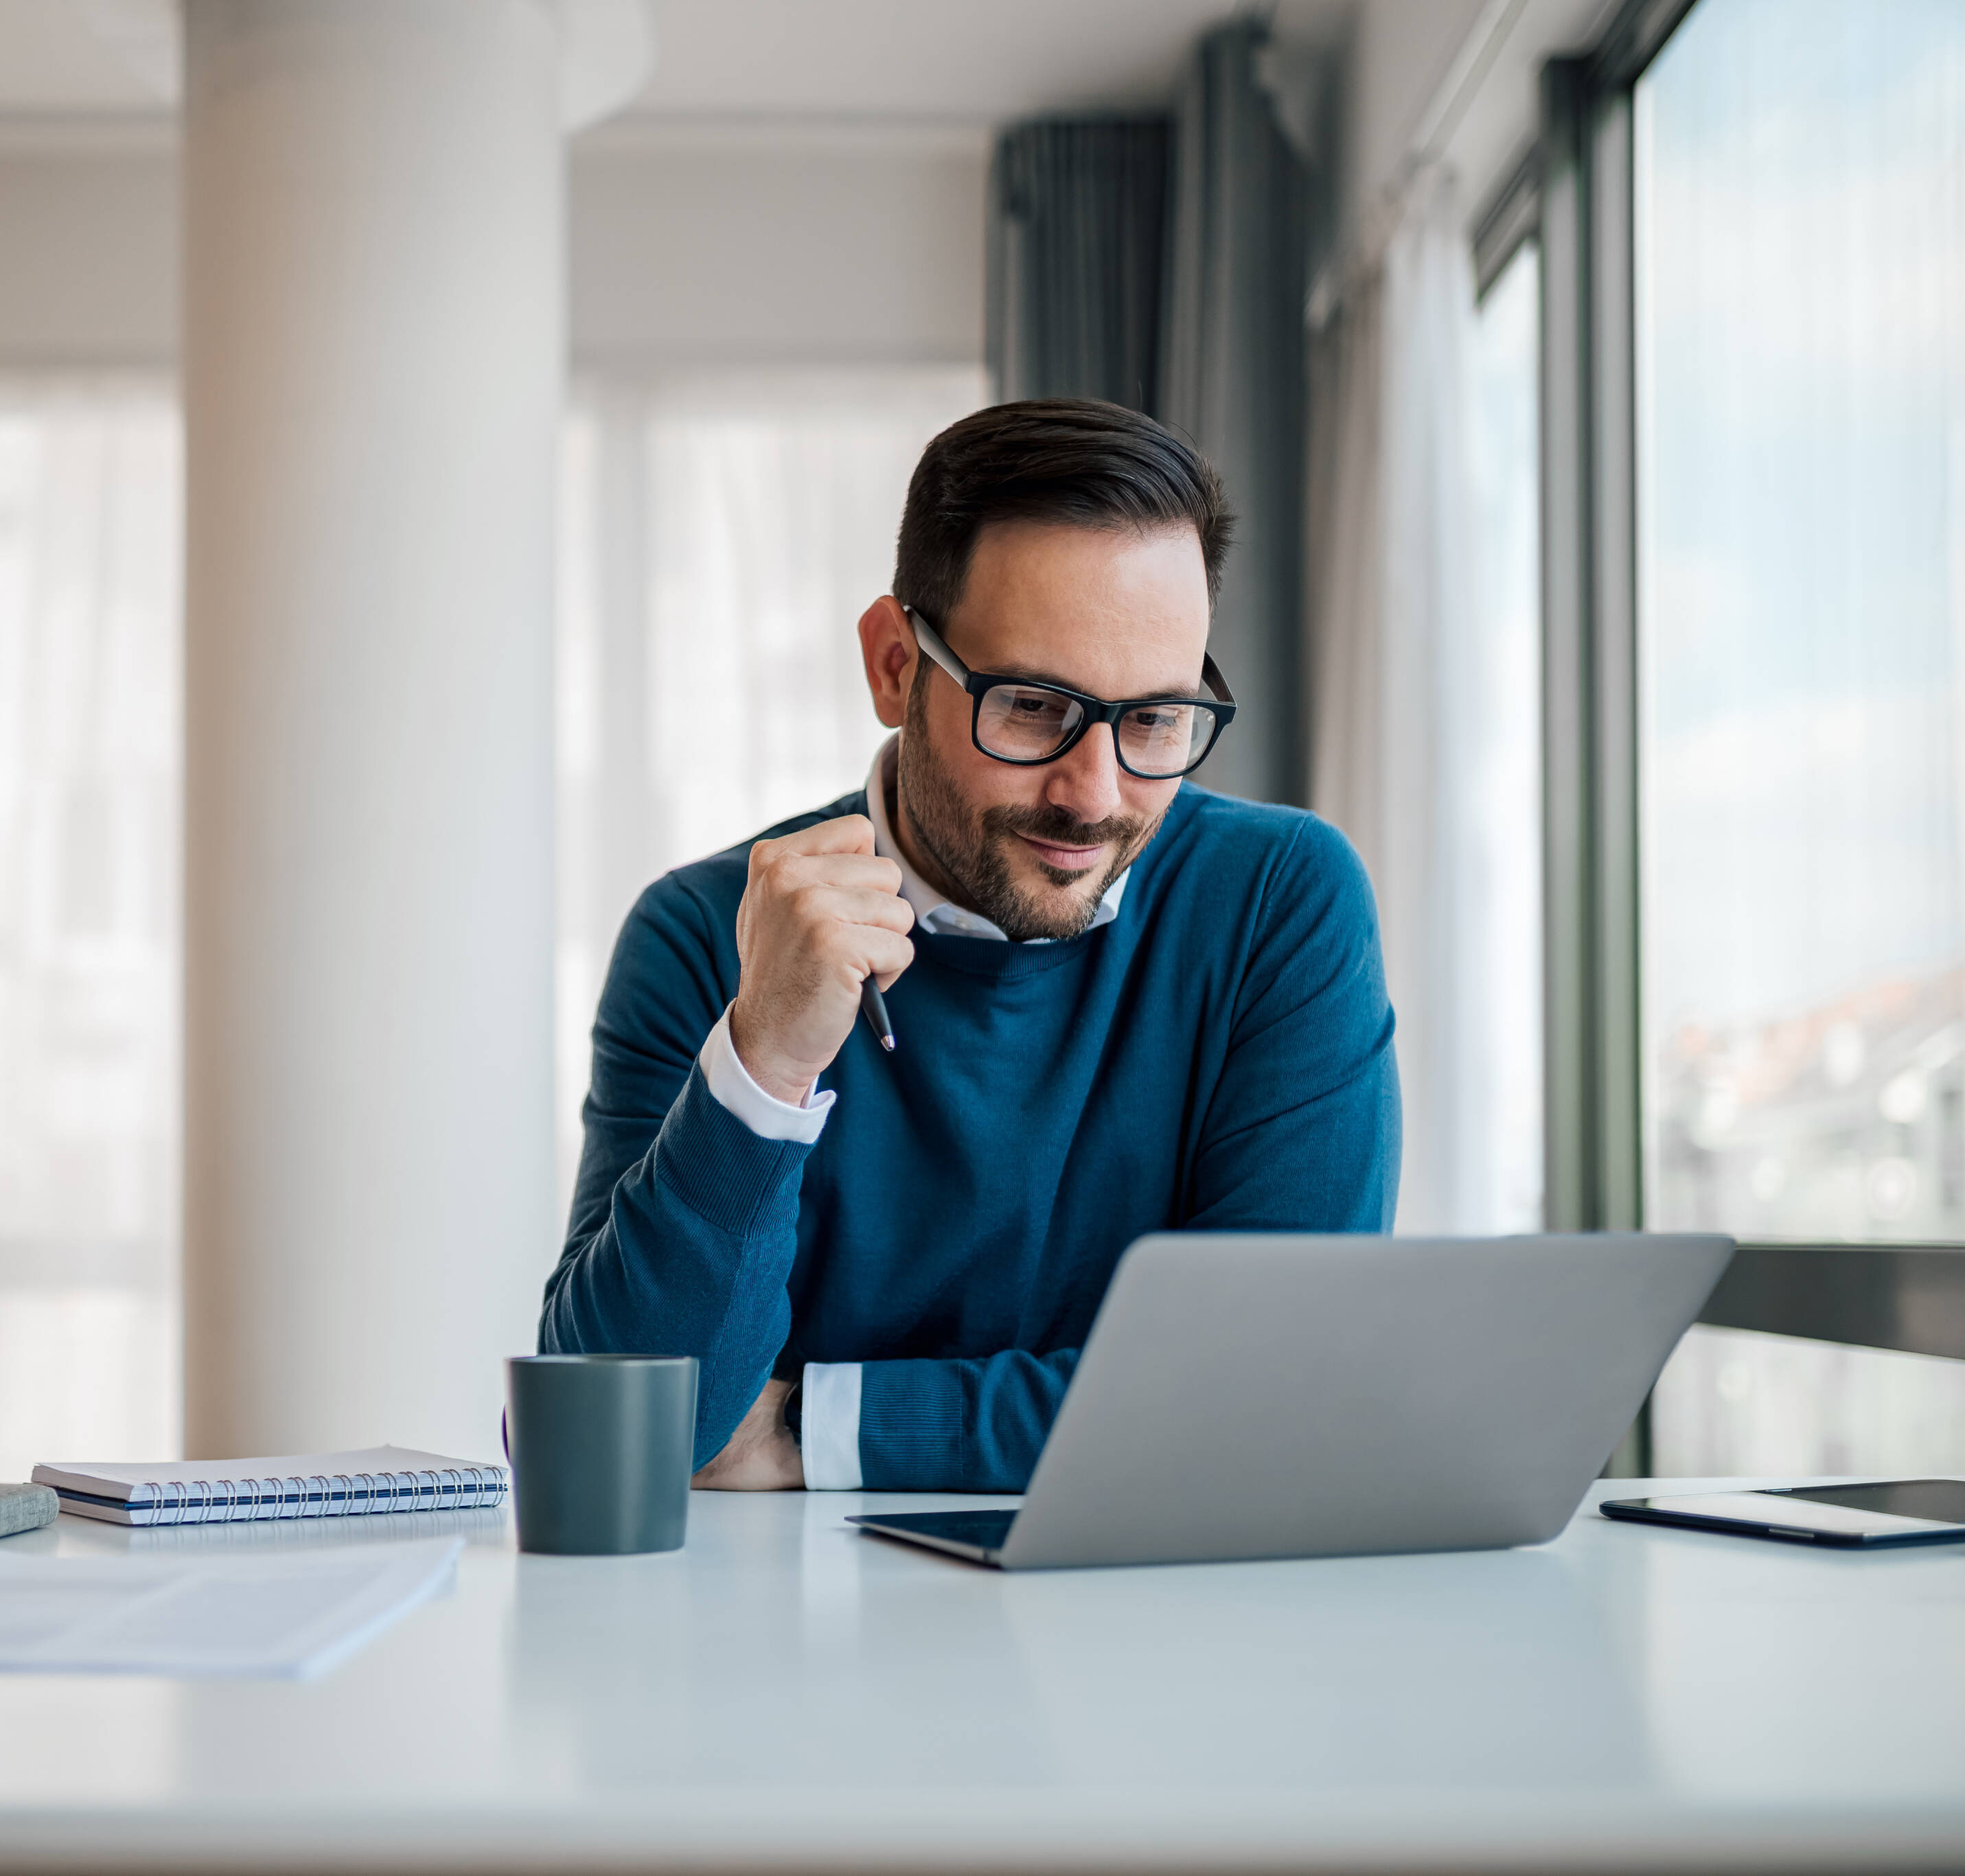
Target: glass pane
(1501, 736)
(1732, 1405)
(1801, 216)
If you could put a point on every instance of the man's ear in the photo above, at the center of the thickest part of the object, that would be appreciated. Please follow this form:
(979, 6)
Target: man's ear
(888, 648)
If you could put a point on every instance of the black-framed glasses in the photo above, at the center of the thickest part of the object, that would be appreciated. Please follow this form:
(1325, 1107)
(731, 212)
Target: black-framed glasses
(1024, 721)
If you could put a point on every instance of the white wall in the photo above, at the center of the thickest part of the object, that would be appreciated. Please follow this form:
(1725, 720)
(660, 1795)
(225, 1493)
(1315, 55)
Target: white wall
(687, 245)
(88, 248)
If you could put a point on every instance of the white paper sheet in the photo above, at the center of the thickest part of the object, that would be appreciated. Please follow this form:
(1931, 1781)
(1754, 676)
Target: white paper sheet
(290, 1615)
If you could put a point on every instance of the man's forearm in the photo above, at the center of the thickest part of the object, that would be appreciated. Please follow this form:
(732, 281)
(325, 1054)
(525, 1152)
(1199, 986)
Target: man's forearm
(690, 1258)
(962, 1425)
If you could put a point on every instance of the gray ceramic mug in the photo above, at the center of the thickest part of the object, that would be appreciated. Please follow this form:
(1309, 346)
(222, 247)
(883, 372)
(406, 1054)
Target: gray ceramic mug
(600, 1447)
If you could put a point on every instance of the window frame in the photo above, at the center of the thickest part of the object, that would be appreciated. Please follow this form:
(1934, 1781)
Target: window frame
(1889, 1295)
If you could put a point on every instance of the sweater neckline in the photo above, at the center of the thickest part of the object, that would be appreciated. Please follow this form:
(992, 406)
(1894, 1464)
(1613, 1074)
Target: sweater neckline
(998, 958)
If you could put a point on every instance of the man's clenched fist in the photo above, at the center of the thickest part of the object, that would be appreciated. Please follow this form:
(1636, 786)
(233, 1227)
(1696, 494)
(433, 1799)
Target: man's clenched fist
(820, 913)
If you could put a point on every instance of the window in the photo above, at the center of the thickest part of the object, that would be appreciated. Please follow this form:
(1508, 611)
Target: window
(1801, 180)
(1800, 214)
(90, 507)
(1506, 780)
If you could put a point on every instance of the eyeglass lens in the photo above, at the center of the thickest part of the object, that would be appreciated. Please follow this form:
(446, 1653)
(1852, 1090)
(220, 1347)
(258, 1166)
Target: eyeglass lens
(1024, 723)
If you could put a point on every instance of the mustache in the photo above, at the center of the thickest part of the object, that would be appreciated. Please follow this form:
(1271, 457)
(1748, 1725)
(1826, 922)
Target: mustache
(1057, 828)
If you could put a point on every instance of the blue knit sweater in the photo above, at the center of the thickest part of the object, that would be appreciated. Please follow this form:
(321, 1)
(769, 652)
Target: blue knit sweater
(1217, 1058)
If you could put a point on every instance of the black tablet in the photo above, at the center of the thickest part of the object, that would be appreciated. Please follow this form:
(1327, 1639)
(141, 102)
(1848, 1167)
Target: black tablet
(1860, 1517)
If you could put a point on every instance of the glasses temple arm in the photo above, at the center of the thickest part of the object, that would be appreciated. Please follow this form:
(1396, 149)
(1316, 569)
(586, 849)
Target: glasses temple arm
(929, 642)
(1210, 675)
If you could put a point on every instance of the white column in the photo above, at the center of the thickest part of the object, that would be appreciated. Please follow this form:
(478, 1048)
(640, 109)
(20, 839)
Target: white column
(373, 343)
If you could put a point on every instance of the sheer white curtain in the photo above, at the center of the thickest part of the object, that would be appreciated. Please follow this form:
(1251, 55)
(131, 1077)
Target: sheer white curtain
(90, 502)
(1423, 723)
(721, 536)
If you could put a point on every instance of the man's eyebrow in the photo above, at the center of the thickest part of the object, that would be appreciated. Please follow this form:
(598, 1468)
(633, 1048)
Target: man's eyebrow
(1030, 673)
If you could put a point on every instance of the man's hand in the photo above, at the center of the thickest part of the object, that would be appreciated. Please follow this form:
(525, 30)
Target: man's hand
(820, 913)
(762, 1455)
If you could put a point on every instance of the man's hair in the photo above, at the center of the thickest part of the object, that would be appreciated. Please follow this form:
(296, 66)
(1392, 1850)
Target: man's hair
(1069, 460)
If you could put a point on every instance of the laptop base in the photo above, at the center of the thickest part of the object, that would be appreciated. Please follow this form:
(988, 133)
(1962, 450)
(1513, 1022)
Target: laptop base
(975, 1537)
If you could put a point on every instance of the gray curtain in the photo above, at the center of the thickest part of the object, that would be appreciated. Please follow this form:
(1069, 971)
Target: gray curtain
(1078, 216)
(1253, 204)
(1164, 264)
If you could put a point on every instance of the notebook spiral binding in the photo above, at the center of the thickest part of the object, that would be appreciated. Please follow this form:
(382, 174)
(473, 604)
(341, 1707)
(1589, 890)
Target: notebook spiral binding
(341, 1495)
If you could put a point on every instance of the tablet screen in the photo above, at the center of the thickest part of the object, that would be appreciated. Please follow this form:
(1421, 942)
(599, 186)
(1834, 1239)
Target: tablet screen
(1940, 1501)
(1900, 1508)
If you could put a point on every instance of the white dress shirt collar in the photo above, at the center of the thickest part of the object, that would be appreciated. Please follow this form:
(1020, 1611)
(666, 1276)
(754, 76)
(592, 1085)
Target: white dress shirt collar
(932, 913)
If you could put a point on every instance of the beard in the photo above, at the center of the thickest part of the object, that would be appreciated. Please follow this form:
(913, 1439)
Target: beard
(973, 850)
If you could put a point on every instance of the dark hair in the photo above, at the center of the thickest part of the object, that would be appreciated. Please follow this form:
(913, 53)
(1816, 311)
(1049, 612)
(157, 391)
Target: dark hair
(1063, 459)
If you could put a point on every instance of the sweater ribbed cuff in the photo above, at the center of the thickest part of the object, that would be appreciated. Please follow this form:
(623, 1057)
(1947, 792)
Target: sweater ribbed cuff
(724, 1172)
(912, 1414)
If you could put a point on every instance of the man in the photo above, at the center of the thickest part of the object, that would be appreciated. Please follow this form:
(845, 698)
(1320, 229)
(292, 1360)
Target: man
(1121, 1004)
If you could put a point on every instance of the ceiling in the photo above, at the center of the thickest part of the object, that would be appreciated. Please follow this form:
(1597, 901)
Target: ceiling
(934, 65)
(919, 58)
(976, 60)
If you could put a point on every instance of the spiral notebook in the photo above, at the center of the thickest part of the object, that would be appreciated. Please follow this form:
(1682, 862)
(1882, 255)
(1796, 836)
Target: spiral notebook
(308, 1485)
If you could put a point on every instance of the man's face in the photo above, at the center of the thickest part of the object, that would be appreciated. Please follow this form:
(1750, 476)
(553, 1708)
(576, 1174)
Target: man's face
(1114, 613)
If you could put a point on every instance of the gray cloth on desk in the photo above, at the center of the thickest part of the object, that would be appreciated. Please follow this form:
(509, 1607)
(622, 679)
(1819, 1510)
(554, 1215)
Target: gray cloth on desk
(27, 1507)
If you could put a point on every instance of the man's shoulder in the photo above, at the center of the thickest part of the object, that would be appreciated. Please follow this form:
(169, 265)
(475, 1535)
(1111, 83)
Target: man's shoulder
(716, 883)
(1288, 869)
(1219, 830)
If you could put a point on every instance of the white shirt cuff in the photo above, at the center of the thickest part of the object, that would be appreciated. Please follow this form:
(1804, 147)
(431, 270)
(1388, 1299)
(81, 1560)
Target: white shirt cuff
(829, 1428)
(765, 1115)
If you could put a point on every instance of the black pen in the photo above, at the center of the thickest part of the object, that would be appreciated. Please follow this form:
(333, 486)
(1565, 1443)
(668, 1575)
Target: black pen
(874, 1007)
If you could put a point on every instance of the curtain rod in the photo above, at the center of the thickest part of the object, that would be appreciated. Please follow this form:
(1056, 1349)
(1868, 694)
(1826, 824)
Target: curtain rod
(1463, 80)
(1426, 148)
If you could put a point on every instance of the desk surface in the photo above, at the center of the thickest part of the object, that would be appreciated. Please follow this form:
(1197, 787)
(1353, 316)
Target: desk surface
(786, 1691)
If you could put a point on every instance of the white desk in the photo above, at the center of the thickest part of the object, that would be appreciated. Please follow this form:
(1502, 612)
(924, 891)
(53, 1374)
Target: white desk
(786, 1692)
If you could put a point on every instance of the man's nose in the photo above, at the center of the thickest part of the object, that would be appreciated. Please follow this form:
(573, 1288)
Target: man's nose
(1085, 782)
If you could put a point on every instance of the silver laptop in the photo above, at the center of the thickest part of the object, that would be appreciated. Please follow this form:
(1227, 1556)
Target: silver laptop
(1274, 1396)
